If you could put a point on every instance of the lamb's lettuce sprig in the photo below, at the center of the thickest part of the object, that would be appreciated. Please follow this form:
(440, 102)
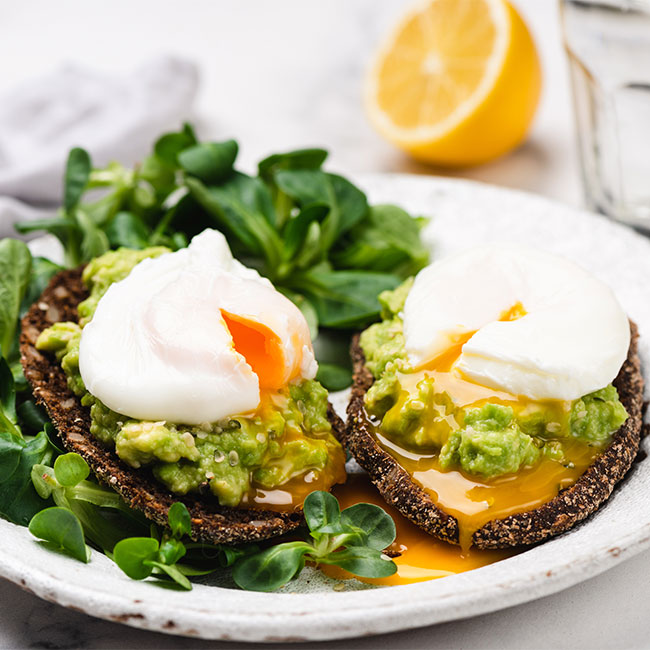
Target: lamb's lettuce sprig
(159, 554)
(353, 539)
(102, 518)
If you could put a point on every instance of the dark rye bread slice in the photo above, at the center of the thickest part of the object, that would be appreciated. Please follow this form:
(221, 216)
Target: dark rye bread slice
(570, 506)
(210, 522)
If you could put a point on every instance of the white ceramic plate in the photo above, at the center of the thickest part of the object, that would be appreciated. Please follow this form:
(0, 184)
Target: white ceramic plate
(309, 608)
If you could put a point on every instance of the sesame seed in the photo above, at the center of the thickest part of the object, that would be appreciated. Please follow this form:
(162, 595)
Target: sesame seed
(219, 457)
(339, 586)
(233, 458)
(553, 427)
(260, 437)
(188, 439)
(209, 475)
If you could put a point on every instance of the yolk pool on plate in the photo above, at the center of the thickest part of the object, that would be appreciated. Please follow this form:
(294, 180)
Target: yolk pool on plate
(422, 557)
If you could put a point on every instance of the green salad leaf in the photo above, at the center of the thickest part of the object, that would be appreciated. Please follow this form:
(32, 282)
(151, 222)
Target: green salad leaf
(321, 511)
(272, 568)
(211, 162)
(134, 556)
(41, 273)
(179, 520)
(15, 269)
(70, 470)
(62, 529)
(19, 501)
(8, 415)
(77, 174)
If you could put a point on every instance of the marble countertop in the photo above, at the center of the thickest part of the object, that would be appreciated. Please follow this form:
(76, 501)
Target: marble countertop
(288, 73)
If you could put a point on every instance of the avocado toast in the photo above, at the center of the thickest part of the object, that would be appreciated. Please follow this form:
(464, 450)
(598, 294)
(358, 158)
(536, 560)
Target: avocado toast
(569, 507)
(211, 521)
(412, 477)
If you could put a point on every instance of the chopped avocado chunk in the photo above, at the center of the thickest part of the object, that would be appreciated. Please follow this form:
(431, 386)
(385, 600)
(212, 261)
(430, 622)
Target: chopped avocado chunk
(288, 436)
(383, 342)
(392, 302)
(595, 416)
(139, 443)
(422, 418)
(63, 339)
(490, 444)
(107, 269)
(484, 438)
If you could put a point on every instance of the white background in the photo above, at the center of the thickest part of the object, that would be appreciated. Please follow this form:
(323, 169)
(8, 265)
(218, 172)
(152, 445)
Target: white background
(281, 74)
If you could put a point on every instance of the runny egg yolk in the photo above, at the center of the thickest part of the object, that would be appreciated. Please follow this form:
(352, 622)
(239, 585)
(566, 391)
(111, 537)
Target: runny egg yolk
(515, 312)
(261, 347)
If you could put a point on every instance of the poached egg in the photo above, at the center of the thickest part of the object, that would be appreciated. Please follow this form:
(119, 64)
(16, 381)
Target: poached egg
(193, 336)
(531, 323)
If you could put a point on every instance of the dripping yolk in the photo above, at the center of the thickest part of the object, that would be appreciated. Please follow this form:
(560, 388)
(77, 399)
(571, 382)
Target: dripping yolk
(261, 347)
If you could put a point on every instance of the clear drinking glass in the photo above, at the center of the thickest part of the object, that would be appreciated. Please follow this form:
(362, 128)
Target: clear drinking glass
(608, 46)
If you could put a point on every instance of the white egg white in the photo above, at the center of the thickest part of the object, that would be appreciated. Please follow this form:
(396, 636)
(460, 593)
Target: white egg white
(158, 348)
(571, 341)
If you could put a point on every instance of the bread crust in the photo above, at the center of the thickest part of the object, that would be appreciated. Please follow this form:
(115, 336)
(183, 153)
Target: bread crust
(210, 521)
(558, 515)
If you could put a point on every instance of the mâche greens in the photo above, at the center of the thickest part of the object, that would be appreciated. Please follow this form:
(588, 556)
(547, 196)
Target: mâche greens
(312, 233)
(488, 438)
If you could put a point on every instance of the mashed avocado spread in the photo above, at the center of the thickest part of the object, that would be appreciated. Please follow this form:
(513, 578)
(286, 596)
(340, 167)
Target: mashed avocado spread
(288, 436)
(485, 437)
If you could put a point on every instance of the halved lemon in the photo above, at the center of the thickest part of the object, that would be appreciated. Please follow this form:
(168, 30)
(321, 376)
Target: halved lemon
(457, 83)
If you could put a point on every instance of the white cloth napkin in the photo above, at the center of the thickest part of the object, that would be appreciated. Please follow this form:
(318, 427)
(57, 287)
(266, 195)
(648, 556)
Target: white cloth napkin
(113, 117)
